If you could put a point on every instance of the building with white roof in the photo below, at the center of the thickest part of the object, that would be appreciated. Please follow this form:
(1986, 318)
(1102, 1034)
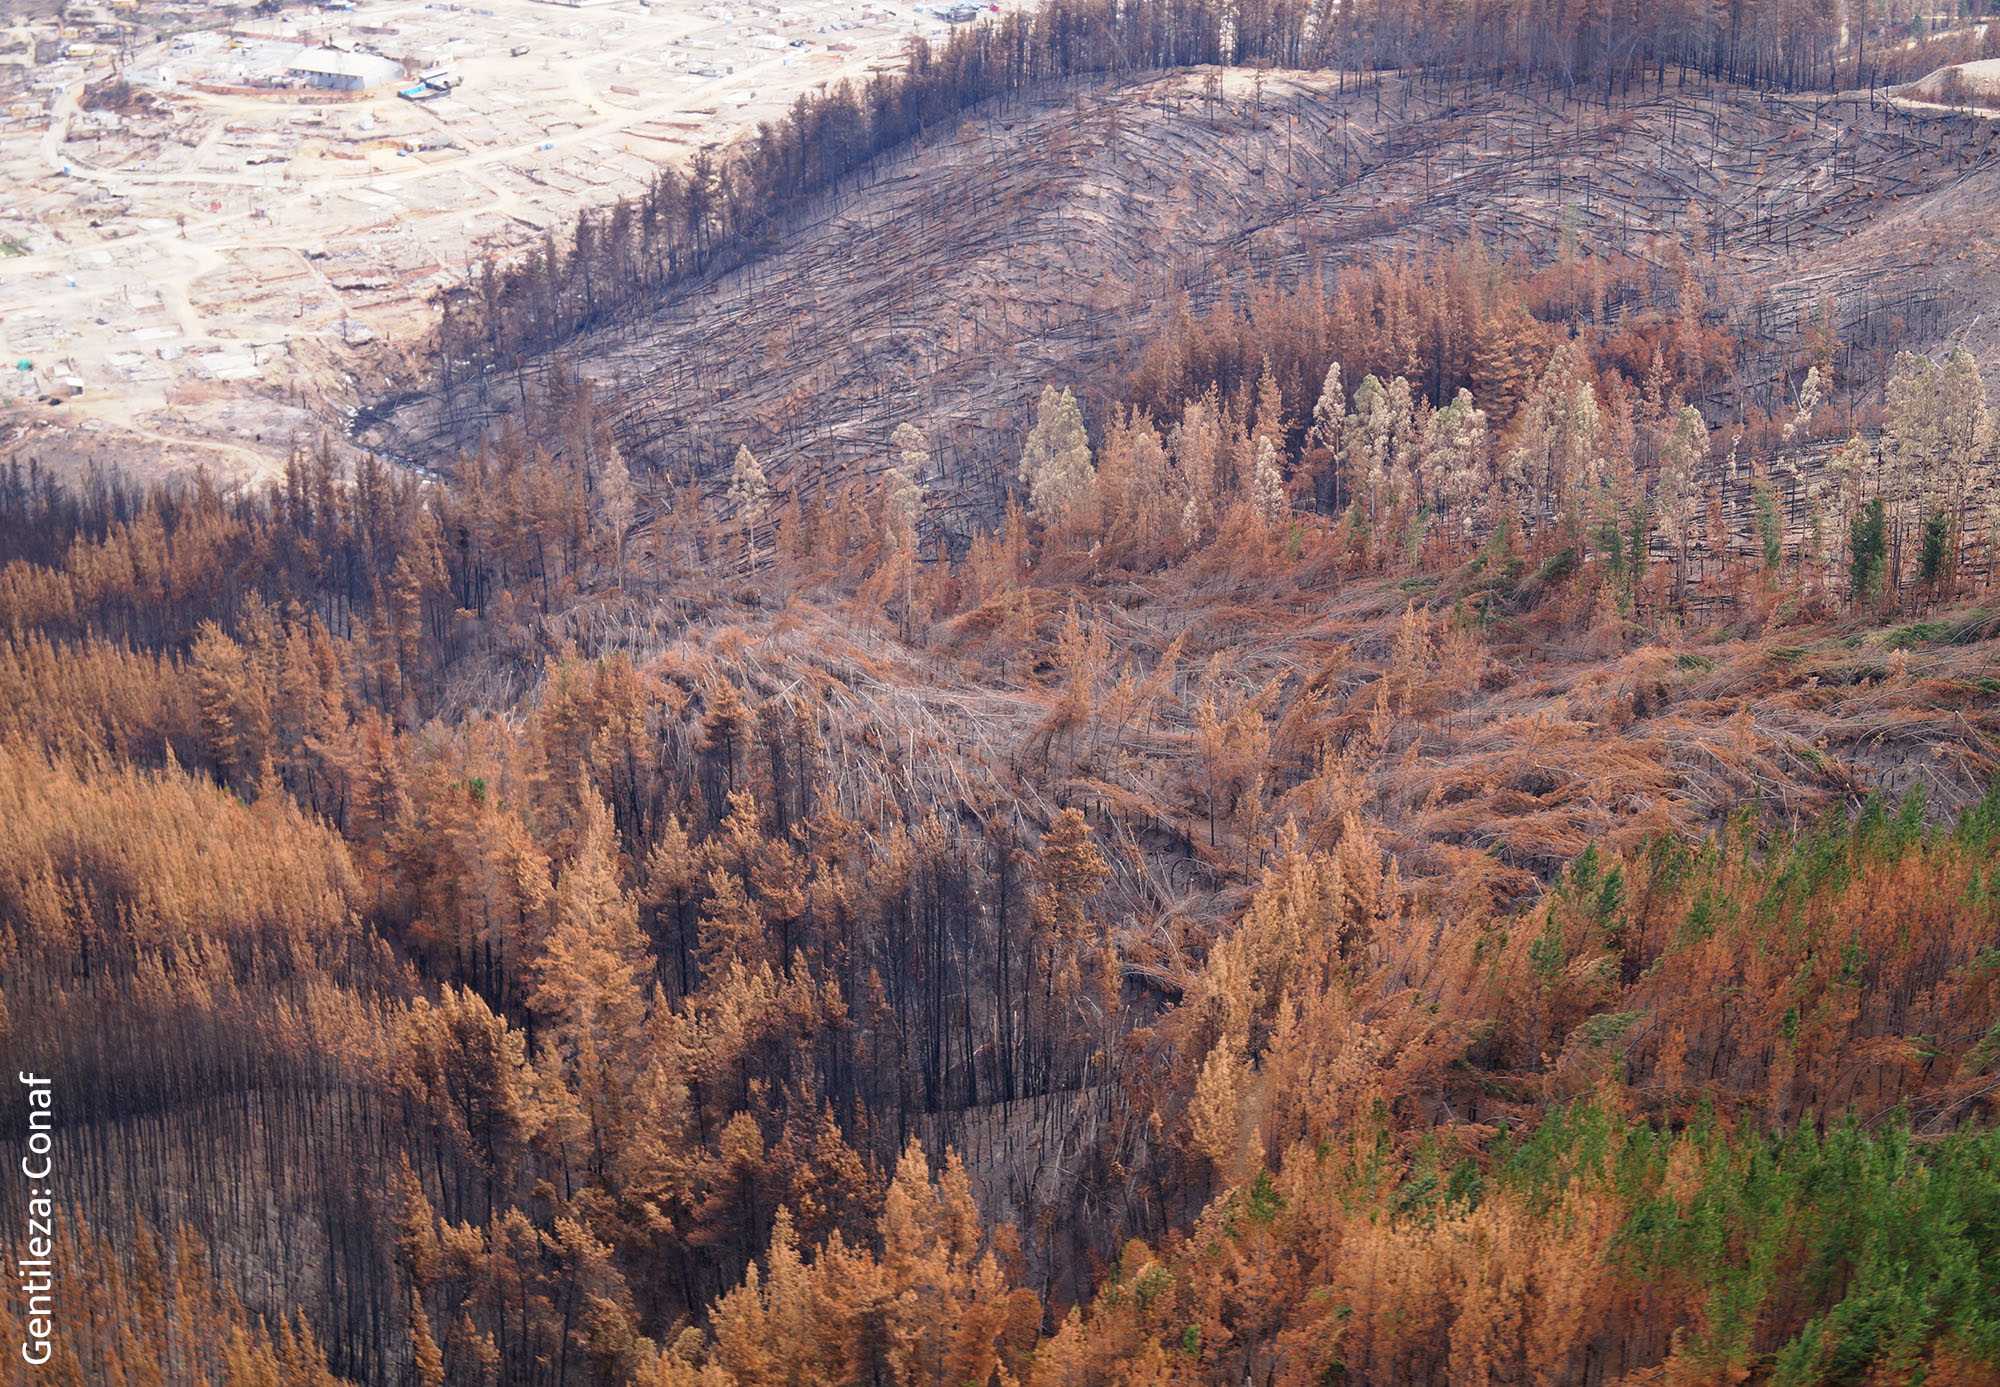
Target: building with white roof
(338, 70)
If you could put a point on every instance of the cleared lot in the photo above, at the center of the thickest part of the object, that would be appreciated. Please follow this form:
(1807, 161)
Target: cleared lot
(218, 250)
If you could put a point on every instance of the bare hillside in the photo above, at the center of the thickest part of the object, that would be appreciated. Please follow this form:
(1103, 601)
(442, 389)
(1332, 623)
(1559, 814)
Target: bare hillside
(1038, 243)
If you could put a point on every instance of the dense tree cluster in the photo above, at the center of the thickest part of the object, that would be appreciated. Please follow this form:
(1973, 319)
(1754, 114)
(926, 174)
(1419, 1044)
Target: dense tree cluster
(443, 828)
(1426, 409)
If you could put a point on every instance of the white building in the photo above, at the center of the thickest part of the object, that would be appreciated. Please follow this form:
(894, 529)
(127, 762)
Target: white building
(341, 71)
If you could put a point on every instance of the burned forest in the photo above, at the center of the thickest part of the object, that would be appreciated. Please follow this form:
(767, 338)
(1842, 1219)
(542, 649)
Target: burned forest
(1260, 693)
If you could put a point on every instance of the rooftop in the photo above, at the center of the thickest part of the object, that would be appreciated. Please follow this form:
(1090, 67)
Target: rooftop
(333, 62)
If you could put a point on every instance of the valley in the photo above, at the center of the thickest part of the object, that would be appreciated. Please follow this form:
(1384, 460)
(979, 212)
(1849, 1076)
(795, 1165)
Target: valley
(1288, 694)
